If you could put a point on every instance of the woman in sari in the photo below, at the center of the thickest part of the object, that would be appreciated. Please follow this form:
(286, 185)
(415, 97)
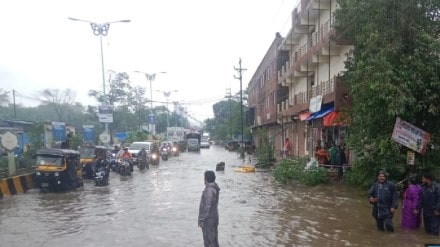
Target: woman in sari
(411, 200)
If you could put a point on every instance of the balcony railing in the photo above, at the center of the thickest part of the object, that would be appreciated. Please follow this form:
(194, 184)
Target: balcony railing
(322, 88)
(306, 50)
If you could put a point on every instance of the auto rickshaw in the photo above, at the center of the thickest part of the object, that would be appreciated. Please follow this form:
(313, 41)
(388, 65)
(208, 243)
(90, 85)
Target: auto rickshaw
(89, 154)
(58, 169)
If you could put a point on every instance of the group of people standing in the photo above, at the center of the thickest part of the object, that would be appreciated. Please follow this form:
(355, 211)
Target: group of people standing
(421, 203)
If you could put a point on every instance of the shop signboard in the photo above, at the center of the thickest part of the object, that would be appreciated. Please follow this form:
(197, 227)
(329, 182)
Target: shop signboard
(410, 136)
(105, 113)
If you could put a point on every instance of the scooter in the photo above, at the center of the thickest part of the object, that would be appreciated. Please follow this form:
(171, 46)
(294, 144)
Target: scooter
(153, 159)
(114, 163)
(143, 164)
(124, 168)
(175, 151)
(102, 175)
(164, 153)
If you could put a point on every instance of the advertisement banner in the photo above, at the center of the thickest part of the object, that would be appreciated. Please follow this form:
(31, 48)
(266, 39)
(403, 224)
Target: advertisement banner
(315, 104)
(88, 133)
(105, 113)
(59, 131)
(410, 136)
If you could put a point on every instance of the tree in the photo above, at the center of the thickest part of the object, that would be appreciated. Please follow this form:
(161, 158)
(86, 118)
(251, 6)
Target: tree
(4, 98)
(117, 91)
(226, 122)
(58, 100)
(136, 102)
(393, 71)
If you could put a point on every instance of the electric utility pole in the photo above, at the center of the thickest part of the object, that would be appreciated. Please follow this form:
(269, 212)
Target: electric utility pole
(240, 77)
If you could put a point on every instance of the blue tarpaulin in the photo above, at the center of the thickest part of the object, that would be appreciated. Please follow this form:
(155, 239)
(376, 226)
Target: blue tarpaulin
(59, 131)
(325, 109)
(88, 133)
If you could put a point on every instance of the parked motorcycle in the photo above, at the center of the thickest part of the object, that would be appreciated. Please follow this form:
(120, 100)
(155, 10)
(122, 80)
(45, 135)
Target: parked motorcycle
(164, 153)
(124, 167)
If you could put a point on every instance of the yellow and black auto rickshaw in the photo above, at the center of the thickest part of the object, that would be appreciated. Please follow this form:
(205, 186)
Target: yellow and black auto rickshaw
(58, 169)
(89, 155)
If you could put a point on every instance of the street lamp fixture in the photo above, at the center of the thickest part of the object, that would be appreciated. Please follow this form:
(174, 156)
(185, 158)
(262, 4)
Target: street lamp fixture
(100, 29)
(150, 77)
(167, 94)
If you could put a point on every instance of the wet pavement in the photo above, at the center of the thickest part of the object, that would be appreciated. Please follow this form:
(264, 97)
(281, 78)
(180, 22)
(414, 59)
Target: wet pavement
(159, 207)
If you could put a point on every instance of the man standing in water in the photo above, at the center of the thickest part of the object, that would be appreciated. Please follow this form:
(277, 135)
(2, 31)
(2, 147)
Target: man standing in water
(208, 211)
(384, 198)
(430, 204)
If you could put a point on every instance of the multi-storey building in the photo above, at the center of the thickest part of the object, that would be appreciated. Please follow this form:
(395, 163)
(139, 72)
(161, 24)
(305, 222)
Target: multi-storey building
(265, 94)
(316, 94)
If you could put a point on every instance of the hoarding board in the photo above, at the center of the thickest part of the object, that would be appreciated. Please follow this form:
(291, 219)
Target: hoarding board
(410, 136)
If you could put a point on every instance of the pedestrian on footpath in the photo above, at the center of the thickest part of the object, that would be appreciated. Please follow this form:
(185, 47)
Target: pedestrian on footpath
(208, 211)
(287, 148)
(383, 196)
(430, 204)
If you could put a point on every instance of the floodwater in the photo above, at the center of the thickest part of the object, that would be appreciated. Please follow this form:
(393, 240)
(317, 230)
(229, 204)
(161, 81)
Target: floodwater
(159, 207)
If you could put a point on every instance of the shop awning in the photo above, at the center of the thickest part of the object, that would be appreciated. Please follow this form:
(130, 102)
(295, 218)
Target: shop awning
(325, 110)
(334, 119)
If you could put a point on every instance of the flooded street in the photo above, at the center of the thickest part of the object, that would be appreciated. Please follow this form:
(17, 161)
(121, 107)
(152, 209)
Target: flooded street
(159, 207)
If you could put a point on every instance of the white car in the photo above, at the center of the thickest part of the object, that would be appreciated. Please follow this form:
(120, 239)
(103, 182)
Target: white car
(205, 144)
(135, 147)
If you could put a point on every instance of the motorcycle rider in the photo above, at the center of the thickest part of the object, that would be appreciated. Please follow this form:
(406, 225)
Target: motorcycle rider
(116, 150)
(142, 157)
(127, 155)
(155, 150)
(120, 152)
(101, 161)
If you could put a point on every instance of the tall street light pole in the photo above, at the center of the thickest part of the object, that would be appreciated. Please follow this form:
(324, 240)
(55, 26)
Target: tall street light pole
(150, 77)
(240, 77)
(167, 94)
(101, 29)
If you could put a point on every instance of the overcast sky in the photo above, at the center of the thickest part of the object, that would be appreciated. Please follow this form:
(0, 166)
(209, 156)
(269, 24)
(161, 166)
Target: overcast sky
(197, 42)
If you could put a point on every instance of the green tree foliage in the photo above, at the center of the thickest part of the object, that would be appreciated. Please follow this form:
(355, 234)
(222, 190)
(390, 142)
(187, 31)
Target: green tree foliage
(290, 170)
(117, 91)
(393, 71)
(36, 138)
(226, 123)
(265, 153)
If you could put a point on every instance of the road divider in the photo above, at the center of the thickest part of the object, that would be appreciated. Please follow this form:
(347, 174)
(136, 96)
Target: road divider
(17, 184)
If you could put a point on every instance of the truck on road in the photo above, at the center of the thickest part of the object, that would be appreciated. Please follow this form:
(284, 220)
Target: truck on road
(177, 135)
(193, 141)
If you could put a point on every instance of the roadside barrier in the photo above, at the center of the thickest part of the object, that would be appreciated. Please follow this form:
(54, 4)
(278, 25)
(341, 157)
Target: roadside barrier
(16, 185)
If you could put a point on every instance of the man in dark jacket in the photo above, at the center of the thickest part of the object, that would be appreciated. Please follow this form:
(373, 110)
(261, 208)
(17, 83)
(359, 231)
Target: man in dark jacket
(430, 204)
(208, 211)
(384, 198)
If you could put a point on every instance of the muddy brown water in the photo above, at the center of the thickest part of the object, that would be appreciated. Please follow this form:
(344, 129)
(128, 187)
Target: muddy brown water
(159, 207)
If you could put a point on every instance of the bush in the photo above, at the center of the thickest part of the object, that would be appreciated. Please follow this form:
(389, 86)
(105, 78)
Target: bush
(293, 169)
(315, 176)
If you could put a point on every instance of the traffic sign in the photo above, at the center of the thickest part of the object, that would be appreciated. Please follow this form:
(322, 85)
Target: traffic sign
(9, 140)
(104, 138)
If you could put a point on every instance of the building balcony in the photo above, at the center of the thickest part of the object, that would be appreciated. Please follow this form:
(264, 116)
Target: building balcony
(304, 57)
(332, 90)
